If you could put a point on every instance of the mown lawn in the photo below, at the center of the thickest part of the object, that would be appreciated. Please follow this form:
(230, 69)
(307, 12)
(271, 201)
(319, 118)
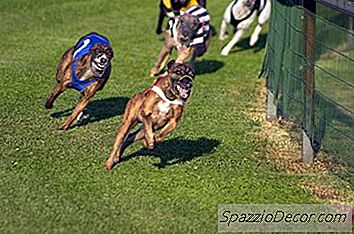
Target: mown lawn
(54, 182)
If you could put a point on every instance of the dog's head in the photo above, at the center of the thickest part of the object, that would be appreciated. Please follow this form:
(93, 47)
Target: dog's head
(187, 28)
(182, 76)
(101, 57)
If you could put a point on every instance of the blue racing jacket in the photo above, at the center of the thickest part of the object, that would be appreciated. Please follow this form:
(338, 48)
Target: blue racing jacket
(82, 48)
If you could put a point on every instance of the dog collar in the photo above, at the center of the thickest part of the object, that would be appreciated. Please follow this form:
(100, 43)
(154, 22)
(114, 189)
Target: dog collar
(162, 95)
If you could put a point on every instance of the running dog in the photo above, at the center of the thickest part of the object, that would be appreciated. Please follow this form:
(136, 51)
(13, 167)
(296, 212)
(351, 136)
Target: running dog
(172, 8)
(240, 14)
(189, 34)
(84, 67)
(157, 108)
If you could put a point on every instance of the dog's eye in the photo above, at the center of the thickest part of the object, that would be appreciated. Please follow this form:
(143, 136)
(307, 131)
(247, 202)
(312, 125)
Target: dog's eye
(178, 72)
(109, 53)
(98, 51)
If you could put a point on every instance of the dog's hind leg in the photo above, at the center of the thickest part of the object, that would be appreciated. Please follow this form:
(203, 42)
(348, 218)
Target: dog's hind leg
(122, 138)
(262, 18)
(62, 78)
(160, 19)
(59, 89)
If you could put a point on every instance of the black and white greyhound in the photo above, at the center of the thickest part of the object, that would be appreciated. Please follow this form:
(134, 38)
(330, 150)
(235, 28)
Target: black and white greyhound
(240, 14)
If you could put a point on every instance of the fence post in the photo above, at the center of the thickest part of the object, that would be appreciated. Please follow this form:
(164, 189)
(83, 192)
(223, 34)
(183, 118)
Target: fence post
(350, 36)
(271, 107)
(309, 109)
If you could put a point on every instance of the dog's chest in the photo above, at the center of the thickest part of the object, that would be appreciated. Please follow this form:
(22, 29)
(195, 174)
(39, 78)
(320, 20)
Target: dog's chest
(88, 74)
(163, 107)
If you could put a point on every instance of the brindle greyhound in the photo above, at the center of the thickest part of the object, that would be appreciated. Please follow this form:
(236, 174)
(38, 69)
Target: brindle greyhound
(189, 34)
(157, 108)
(85, 67)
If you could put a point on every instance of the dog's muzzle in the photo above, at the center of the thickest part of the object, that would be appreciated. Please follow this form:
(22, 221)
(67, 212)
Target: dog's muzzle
(186, 34)
(183, 86)
(101, 61)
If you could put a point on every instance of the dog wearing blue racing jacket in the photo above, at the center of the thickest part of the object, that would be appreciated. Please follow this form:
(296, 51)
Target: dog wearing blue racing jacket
(84, 67)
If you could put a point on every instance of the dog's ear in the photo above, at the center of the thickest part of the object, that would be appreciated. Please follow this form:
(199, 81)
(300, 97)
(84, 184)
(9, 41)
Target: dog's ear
(181, 69)
(191, 71)
(190, 21)
(97, 49)
(194, 23)
(109, 52)
(169, 64)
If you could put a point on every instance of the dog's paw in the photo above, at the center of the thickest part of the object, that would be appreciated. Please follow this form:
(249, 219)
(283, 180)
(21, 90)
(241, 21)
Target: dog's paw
(109, 165)
(222, 38)
(48, 105)
(253, 40)
(80, 118)
(111, 162)
(157, 138)
(148, 144)
(225, 52)
(154, 71)
(63, 128)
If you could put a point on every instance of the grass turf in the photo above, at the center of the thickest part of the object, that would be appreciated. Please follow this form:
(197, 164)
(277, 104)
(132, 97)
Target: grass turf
(53, 182)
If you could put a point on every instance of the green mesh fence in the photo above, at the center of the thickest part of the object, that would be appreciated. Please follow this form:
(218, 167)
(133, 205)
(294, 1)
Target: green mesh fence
(294, 54)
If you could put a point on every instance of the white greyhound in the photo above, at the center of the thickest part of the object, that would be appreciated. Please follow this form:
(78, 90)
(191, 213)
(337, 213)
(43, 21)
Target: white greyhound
(241, 14)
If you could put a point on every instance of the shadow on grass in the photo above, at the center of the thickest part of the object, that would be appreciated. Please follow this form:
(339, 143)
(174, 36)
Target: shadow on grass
(208, 66)
(213, 31)
(98, 110)
(177, 150)
(243, 44)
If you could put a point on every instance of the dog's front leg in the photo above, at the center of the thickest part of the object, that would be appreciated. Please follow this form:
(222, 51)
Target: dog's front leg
(233, 42)
(118, 145)
(149, 141)
(164, 55)
(131, 138)
(184, 53)
(223, 28)
(83, 102)
(77, 111)
(167, 129)
(145, 117)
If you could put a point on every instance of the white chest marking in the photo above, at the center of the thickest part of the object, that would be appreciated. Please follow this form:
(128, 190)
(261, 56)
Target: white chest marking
(163, 107)
(161, 94)
(87, 75)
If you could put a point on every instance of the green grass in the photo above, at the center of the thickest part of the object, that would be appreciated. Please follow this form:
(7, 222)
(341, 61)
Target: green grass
(53, 182)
